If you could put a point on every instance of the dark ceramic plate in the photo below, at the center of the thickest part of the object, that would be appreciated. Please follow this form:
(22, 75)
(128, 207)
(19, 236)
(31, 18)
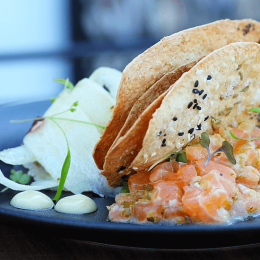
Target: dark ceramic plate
(95, 227)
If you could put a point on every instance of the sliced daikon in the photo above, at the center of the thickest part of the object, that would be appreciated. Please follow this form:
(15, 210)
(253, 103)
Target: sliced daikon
(108, 78)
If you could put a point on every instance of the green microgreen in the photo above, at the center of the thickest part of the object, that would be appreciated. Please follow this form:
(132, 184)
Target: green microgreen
(67, 83)
(66, 164)
(226, 147)
(18, 176)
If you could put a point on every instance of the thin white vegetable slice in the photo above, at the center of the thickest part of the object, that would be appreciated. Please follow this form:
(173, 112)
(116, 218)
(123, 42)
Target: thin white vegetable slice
(17, 156)
(96, 103)
(16, 186)
(108, 78)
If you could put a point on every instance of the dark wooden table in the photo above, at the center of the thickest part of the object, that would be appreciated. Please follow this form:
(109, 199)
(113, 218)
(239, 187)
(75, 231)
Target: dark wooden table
(18, 243)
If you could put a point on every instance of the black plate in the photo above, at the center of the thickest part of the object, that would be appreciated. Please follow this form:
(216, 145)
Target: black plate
(95, 227)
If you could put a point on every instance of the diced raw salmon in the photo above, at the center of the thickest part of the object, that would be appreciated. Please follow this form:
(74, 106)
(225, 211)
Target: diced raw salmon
(184, 176)
(147, 212)
(175, 215)
(157, 175)
(195, 152)
(139, 181)
(206, 201)
(236, 143)
(166, 193)
(256, 133)
(248, 176)
(251, 199)
(227, 172)
(119, 213)
(165, 166)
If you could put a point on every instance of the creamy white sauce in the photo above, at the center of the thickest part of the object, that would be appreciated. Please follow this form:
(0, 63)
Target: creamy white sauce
(31, 200)
(76, 204)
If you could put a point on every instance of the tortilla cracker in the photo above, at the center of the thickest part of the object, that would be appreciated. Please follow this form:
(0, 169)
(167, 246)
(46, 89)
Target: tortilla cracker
(230, 80)
(158, 88)
(119, 158)
(168, 54)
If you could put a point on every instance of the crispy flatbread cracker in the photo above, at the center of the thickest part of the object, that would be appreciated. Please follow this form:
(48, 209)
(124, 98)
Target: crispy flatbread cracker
(158, 88)
(225, 83)
(125, 149)
(168, 54)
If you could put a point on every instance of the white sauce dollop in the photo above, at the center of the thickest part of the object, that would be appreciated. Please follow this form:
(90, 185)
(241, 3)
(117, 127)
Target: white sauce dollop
(76, 204)
(31, 200)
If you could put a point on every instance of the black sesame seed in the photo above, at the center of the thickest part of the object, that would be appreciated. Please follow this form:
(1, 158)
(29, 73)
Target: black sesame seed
(195, 100)
(221, 174)
(165, 135)
(199, 127)
(195, 106)
(206, 118)
(164, 140)
(196, 83)
(160, 133)
(191, 131)
(175, 119)
(121, 169)
(190, 104)
(195, 91)
(201, 92)
(238, 28)
(204, 96)
(97, 149)
(188, 184)
(198, 107)
(163, 145)
(209, 77)
(180, 134)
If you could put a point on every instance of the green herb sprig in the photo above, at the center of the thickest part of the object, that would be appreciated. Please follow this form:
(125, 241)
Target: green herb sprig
(226, 147)
(19, 177)
(67, 161)
(67, 84)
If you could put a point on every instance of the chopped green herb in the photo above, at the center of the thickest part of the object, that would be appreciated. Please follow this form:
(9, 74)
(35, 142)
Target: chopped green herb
(125, 188)
(181, 157)
(19, 176)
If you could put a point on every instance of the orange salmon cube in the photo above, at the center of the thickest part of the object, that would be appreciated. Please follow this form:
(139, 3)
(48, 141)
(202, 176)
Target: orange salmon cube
(138, 181)
(166, 193)
(147, 212)
(195, 152)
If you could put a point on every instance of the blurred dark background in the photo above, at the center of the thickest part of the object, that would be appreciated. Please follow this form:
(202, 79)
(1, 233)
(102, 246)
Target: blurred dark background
(47, 39)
